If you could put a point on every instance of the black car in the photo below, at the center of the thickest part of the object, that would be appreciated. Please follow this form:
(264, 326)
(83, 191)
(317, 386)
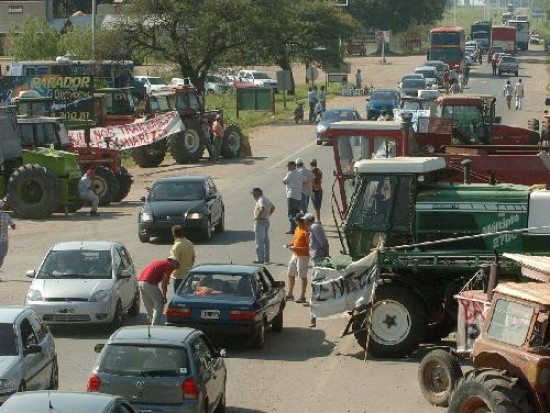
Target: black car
(193, 202)
(380, 99)
(229, 300)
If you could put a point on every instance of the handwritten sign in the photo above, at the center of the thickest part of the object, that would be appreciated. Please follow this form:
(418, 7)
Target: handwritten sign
(139, 133)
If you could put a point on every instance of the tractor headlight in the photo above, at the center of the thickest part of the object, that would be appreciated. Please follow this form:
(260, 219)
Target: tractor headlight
(146, 217)
(544, 377)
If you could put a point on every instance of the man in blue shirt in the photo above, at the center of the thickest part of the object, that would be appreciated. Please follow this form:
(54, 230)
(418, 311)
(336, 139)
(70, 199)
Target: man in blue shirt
(86, 191)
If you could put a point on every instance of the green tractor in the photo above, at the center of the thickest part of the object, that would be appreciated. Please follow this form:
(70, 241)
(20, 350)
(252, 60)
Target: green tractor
(36, 182)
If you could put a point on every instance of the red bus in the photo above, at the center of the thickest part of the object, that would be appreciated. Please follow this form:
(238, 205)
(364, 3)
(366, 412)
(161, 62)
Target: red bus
(447, 43)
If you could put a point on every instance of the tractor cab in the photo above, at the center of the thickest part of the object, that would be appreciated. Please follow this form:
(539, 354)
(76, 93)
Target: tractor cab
(43, 131)
(114, 106)
(382, 206)
(160, 102)
(30, 103)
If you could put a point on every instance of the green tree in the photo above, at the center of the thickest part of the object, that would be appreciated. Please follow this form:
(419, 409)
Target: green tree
(35, 39)
(77, 43)
(396, 15)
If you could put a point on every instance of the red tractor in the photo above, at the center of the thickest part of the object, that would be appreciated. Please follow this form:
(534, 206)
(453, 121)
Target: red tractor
(187, 146)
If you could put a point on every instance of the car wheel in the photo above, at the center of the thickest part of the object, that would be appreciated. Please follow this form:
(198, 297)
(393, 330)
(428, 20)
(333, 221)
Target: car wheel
(143, 238)
(135, 307)
(277, 325)
(207, 232)
(220, 226)
(54, 378)
(259, 340)
(117, 318)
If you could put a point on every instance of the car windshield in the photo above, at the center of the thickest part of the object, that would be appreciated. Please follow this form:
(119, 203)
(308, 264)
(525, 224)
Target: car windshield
(177, 191)
(71, 264)
(144, 361)
(414, 83)
(260, 75)
(505, 59)
(217, 286)
(426, 73)
(383, 95)
(8, 345)
(333, 115)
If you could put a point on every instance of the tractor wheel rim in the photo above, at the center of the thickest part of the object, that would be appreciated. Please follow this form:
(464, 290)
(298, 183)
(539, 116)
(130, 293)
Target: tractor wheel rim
(474, 405)
(31, 192)
(191, 141)
(233, 141)
(436, 377)
(100, 186)
(391, 322)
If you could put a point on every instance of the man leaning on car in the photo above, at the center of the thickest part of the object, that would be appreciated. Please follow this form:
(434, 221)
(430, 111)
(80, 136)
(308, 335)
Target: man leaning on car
(155, 273)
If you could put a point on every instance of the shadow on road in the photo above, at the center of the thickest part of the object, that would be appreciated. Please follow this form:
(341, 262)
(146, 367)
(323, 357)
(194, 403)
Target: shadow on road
(97, 332)
(226, 238)
(83, 215)
(292, 344)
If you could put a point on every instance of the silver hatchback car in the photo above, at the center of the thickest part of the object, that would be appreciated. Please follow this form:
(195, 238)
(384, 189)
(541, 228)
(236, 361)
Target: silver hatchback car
(28, 360)
(161, 369)
(89, 282)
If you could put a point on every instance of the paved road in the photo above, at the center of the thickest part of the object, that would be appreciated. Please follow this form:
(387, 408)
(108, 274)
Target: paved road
(302, 369)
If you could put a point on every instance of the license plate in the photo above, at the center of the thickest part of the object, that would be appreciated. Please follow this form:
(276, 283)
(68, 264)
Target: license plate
(210, 314)
(64, 310)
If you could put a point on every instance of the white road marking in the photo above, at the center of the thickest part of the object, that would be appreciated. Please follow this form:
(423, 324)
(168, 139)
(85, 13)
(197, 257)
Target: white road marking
(291, 156)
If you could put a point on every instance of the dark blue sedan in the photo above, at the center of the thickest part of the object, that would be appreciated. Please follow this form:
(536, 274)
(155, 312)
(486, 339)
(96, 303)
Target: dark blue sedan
(387, 99)
(229, 300)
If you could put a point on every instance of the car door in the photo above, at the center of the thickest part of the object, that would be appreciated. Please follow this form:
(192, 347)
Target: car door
(46, 341)
(272, 299)
(129, 265)
(217, 202)
(33, 364)
(206, 377)
(122, 285)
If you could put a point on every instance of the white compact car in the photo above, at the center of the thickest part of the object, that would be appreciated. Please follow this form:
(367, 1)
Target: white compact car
(258, 78)
(85, 283)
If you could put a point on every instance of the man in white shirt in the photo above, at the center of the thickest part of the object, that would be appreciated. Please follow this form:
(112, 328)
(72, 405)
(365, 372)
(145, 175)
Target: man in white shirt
(293, 182)
(307, 185)
(262, 212)
(520, 94)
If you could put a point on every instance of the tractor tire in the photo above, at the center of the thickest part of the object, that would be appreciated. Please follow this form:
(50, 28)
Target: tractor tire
(488, 390)
(33, 192)
(149, 156)
(124, 184)
(105, 185)
(188, 146)
(398, 322)
(232, 143)
(438, 374)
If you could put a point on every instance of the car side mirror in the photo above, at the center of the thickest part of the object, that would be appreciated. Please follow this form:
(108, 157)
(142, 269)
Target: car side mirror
(32, 349)
(30, 273)
(98, 348)
(124, 274)
(223, 353)
(142, 199)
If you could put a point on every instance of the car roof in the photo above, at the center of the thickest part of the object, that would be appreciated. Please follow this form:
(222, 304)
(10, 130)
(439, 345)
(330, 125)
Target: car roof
(10, 313)
(340, 109)
(155, 335)
(432, 68)
(186, 178)
(60, 402)
(85, 245)
(385, 91)
(226, 268)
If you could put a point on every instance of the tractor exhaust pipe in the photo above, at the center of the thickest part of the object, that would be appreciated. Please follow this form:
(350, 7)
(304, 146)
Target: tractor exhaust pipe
(493, 279)
(467, 167)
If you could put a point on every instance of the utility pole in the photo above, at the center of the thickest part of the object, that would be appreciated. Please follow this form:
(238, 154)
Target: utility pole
(93, 28)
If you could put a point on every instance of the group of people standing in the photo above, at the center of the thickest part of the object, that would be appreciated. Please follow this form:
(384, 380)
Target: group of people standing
(317, 101)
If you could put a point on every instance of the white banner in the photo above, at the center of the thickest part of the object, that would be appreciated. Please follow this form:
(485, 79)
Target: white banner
(141, 132)
(334, 292)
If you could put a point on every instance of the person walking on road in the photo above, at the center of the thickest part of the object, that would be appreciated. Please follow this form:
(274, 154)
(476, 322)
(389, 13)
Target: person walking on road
(86, 190)
(293, 183)
(358, 80)
(154, 298)
(318, 247)
(317, 189)
(508, 93)
(322, 98)
(307, 185)
(263, 209)
(184, 252)
(520, 94)
(312, 98)
(494, 61)
(217, 136)
(5, 224)
(298, 264)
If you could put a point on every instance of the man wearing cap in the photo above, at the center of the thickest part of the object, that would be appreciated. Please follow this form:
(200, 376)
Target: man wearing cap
(293, 182)
(155, 273)
(263, 209)
(297, 266)
(86, 190)
(5, 224)
(307, 184)
(317, 190)
(184, 252)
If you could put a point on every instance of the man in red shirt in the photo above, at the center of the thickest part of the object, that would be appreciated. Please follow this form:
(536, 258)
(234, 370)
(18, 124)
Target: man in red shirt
(155, 273)
(299, 261)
